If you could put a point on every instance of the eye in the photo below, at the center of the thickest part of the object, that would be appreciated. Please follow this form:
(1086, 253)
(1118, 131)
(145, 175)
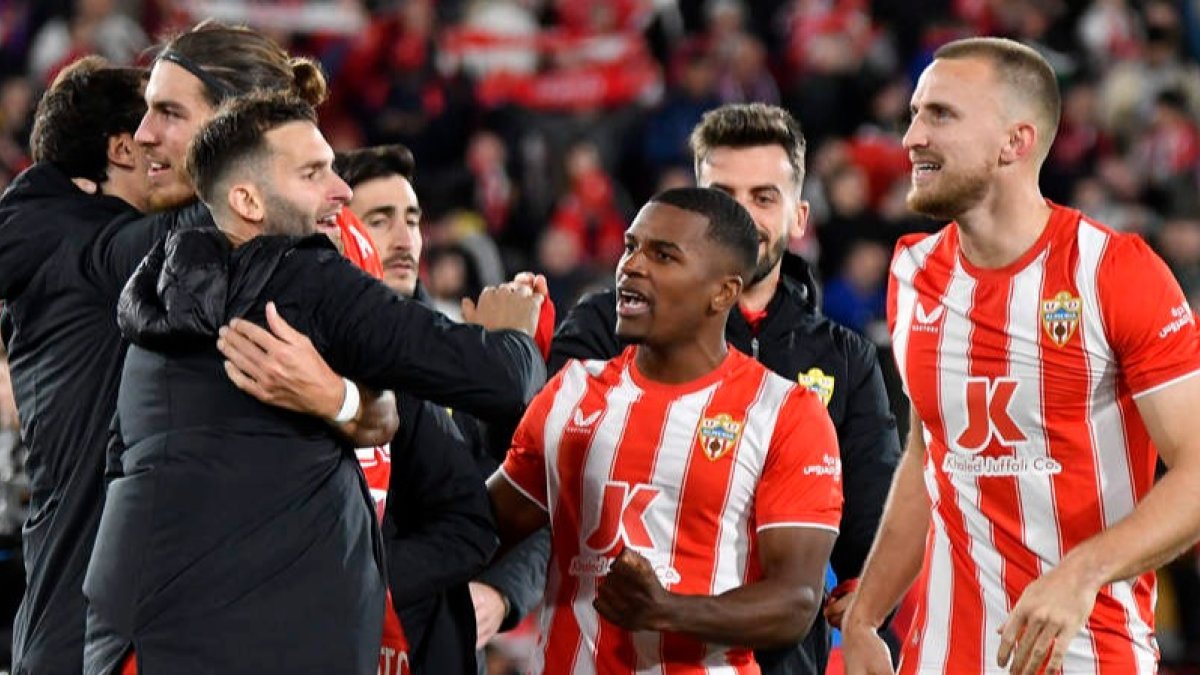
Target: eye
(765, 199)
(661, 256)
(629, 246)
(377, 222)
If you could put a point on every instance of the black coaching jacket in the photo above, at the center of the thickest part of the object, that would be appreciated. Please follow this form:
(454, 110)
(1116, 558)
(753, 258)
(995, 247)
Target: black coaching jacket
(796, 341)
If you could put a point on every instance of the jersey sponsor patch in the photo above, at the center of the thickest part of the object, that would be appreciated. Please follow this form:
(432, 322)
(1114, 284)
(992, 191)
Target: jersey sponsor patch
(1060, 316)
(816, 381)
(718, 435)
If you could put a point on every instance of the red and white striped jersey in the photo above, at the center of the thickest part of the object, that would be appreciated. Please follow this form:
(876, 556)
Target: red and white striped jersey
(686, 475)
(376, 463)
(1025, 379)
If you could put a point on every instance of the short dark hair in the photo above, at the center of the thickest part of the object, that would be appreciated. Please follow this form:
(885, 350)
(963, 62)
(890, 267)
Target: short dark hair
(236, 135)
(1025, 72)
(747, 125)
(381, 161)
(89, 102)
(234, 61)
(729, 225)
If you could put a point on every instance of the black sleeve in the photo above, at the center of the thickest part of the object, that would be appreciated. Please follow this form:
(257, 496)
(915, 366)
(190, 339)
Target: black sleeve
(870, 449)
(588, 331)
(520, 576)
(129, 239)
(438, 530)
(369, 334)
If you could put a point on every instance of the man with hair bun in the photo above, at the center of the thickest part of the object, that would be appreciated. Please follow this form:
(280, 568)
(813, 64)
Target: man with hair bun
(238, 537)
(64, 257)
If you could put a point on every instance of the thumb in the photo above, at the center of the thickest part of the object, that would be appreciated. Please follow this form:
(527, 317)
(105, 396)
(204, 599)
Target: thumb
(282, 329)
(468, 310)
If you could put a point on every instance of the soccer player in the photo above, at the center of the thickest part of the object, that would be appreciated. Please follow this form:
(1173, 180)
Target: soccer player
(1050, 362)
(693, 496)
(755, 153)
(239, 538)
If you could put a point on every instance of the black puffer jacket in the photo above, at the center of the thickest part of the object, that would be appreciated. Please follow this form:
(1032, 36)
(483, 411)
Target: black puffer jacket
(240, 537)
(799, 343)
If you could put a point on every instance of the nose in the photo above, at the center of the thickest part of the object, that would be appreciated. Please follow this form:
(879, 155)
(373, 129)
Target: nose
(915, 136)
(339, 192)
(146, 133)
(403, 240)
(630, 264)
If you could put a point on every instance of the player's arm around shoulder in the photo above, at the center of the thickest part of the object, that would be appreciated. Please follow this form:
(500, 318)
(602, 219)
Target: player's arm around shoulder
(797, 508)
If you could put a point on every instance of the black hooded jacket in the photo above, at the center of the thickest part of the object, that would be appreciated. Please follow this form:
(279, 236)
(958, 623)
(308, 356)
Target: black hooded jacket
(240, 537)
(796, 341)
(64, 257)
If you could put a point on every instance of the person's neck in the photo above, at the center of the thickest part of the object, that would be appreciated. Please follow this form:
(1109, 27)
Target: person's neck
(1002, 228)
(237, 231)
(679, 364)
(756, 298)
(126, 186)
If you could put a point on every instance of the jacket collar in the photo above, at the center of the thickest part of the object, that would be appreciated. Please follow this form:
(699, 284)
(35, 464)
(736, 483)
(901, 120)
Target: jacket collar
(194, 281)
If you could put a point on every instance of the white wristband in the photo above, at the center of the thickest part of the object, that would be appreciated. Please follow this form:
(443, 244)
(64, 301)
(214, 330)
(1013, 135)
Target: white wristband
(350, 402)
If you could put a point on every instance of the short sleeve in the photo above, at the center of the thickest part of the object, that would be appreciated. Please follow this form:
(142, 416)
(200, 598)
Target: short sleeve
(525, 464)
(801, 483)
(1148, 322)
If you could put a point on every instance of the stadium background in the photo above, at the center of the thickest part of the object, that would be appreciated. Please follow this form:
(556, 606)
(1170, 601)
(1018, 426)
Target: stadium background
(539, 125)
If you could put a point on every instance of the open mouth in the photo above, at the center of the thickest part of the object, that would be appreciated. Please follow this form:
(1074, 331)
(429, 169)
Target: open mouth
(156, 169)
(924, 170)
(328, 222)
(631, 303)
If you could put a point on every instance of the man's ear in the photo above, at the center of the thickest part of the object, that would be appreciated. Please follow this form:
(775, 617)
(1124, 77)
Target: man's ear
(1022, 142)
(727, 294)
(246, 201)
(122, 151)
(801, 225)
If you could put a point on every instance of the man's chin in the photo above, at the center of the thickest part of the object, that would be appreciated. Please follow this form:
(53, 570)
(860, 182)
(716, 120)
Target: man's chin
(169, 197)
(628, 334)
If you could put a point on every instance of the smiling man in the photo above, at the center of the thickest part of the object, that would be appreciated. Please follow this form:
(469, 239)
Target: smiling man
(1051, 362)
(239, 537)
(623, 458)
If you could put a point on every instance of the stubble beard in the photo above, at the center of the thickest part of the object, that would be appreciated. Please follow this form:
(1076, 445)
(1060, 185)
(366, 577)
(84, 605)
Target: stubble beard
(956, 194)
(285, 218)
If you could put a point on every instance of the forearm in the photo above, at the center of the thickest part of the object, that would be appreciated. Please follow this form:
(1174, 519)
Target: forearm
(1162, 526)
(767, 613)
(899, 549)
(520, 576)
(375, 423)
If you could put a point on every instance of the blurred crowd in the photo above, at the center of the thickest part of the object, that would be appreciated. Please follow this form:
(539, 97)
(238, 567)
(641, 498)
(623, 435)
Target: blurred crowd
(538, 124)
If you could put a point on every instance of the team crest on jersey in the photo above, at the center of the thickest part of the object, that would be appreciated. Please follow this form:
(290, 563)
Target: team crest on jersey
(718, 435)
(1060, 316)
(816, 381)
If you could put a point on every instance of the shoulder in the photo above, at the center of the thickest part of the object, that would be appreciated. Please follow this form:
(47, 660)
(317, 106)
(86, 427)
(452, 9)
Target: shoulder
(914, 250)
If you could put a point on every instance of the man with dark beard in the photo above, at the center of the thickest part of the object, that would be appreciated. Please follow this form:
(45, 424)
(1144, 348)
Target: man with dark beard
(239, 537)
(67, 249)
(755, 153)
(1050, 362)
